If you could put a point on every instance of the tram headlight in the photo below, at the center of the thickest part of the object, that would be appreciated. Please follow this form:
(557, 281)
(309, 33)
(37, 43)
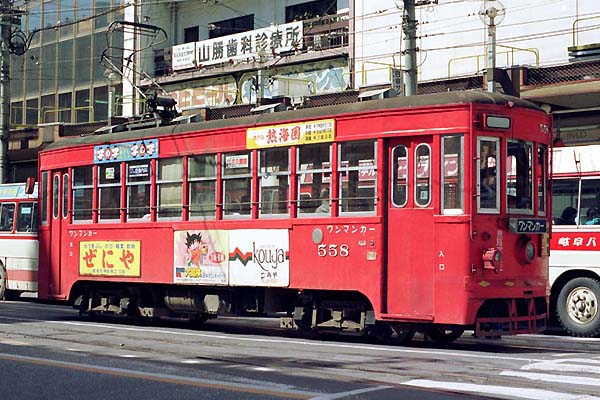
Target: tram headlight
(525, 250)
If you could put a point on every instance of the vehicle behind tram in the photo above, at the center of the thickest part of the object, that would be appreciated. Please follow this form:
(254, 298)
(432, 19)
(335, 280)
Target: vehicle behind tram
(575, 244)
(18, 239)
(383, 217)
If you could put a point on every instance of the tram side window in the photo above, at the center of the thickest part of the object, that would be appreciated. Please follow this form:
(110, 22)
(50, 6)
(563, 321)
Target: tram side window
(170, 187)
(452, 174)
(565, 200)
(237, 183)
(519, 175)
(590, 202)
(422, 175)
(400, 176)
(314, 179)
(358, 176)
(109, 191)
(489, 195)
(202, 181)
(83, 189)
(27, 217)
(7, 217)
(44, 199)
(138, 190)
(274, 179)
(542, 167)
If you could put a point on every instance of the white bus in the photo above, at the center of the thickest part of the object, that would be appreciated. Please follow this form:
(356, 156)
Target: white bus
(18, 239)
(575, 243)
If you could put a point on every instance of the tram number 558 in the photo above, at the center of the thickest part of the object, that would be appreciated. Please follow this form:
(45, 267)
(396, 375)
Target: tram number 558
(333, 250)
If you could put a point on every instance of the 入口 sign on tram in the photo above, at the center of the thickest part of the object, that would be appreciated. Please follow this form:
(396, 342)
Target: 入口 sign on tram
(319, 131)
(243, 45)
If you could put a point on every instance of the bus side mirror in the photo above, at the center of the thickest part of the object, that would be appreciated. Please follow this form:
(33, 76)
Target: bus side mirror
(29, 185)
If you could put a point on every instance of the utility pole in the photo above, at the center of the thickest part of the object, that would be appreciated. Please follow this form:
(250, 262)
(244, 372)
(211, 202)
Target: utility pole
(409, 26)
(6, 14)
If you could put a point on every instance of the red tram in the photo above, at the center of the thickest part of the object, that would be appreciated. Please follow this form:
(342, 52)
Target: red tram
(425, 213)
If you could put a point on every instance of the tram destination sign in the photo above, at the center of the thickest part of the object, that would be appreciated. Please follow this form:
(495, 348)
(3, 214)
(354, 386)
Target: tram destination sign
(126, 151)
(319, 131)
(528, 225)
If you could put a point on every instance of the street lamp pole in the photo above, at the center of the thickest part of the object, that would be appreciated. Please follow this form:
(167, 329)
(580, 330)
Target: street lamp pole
(111, 79)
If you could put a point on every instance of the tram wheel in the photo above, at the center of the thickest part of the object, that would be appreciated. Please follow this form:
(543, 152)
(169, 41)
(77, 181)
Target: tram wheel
(442, 335)
(402, 335)
(577, 307)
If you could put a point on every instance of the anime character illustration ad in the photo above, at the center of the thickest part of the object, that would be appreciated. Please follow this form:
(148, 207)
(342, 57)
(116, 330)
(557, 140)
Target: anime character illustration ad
(259, 257)
(201, 257)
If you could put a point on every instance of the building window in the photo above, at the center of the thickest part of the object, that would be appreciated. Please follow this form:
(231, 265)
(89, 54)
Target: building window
(311, 9)
(231, 26)
(191, 34)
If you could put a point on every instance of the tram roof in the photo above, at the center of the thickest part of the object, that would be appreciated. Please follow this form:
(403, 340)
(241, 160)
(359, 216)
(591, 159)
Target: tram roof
(400, 102)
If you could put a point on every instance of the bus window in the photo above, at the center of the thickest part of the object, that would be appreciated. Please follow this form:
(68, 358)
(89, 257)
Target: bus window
(237, 182)
(487, 190)
(565, 194)
(590, 202)
(314, 176)
(274, 179)
(7, 217)
(202, 178)
(83, 189)
(452, 175)
(109, 191)
(423, 175)
(44, 200)
(170, 187)
(519, 179)
(358, 176)
(27, 217)
(399, 176)
(138, 190)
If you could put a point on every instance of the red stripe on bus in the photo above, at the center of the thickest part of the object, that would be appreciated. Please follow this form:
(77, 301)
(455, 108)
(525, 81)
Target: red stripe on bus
(582, 241)
(22, 275)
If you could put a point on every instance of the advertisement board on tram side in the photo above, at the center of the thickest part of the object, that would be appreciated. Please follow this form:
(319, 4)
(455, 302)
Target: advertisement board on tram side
(109, 258)
(256, 257)
(201, 257)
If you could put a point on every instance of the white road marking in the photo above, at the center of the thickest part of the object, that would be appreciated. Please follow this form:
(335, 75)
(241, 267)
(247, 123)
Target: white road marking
(128, 356)
(566, 365)
(568, 379)
(13, 342)
(191, 361)
(263, 369)
(504, 391)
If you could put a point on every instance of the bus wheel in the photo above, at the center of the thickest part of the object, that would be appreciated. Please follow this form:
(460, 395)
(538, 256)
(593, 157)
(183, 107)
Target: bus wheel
(441, 335)
(577, 307)
(2, 282)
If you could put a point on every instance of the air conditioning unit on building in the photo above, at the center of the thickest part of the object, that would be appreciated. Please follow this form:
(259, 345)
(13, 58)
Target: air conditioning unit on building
(283, 86)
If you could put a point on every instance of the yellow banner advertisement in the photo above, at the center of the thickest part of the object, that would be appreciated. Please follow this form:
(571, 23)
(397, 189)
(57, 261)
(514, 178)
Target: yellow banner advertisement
(109, 258)
(319, 131)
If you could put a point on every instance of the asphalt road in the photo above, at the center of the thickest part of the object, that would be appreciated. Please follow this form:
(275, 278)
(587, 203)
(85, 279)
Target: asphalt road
(47, 352)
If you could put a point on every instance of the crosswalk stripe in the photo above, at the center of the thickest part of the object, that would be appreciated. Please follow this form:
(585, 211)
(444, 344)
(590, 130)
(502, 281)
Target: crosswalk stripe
(505, 391)
(569, 379)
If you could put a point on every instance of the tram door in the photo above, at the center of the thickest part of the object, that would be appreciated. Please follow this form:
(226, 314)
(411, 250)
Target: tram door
(59, 213)
(410, 233)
